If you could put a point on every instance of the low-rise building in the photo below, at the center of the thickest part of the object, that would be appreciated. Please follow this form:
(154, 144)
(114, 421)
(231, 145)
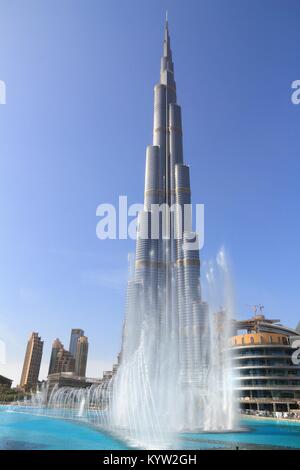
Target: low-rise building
(5, 382)
(68, 379)
(267, 374)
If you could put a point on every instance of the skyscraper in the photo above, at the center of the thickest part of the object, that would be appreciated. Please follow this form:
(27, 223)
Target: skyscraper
(32, 362)
(56, 346)
(75, 334)
(61, 360)
(164, 370)
(81, 355)
(166, 281)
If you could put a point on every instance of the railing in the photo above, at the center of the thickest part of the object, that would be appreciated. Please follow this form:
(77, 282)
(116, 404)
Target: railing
(269, 400)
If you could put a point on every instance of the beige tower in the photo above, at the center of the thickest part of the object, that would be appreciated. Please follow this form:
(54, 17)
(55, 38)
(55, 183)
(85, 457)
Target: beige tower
(82, 348)
(32, 362)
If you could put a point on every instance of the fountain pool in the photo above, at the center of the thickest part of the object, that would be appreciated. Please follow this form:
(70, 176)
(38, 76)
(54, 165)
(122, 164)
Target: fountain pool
(27, 431)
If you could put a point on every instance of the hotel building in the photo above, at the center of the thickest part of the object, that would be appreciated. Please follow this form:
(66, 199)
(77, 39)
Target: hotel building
(267, 375)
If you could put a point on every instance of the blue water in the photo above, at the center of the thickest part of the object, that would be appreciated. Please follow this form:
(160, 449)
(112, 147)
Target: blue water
(26, 431)
(257, 434)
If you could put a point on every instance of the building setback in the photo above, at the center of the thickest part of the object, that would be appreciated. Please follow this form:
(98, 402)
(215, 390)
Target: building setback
(32, 362)
(61, 359)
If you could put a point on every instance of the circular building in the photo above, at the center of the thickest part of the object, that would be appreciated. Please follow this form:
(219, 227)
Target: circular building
(266, 362)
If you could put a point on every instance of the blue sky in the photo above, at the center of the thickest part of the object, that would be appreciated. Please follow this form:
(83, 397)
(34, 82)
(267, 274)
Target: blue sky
(80, 77)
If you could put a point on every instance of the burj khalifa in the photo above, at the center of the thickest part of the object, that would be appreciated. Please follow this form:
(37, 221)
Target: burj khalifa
(166, 319)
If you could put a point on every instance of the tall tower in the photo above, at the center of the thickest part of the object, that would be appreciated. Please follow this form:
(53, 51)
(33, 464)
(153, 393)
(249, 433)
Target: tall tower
(75, 334)
(82, 348)
(162, 378)
(56, 347)
(61, 360)
(32, 362)
(165, 288)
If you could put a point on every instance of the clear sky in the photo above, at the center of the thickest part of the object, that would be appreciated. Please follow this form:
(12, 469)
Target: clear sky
(79, 77)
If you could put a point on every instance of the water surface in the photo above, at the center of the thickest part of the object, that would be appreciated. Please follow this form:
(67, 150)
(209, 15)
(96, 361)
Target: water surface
(27, 431)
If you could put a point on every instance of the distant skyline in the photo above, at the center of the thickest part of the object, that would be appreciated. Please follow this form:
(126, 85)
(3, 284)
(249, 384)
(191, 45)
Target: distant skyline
(78, 116)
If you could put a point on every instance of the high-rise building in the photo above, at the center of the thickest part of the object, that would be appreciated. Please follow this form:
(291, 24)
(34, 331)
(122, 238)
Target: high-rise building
(165, 286)
(56, 347)
(75, 334)
(32, 362)
(61, 360)
(82, 348)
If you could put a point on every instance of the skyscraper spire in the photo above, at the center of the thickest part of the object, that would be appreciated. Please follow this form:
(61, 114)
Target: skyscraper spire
(166, 61)
(166, 26)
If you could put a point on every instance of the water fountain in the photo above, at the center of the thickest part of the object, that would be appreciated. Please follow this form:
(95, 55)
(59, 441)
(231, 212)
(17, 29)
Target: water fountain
(154, 395)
